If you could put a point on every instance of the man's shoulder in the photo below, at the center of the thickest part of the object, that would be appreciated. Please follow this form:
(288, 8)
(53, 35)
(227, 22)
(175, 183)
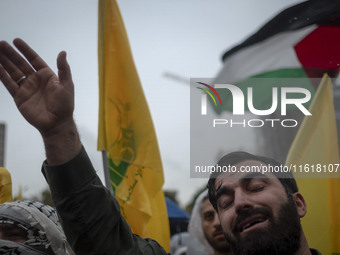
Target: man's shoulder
(315, 252)
(149, 246)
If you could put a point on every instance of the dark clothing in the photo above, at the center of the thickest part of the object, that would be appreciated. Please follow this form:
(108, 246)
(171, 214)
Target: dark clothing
(315, 252)
(90, 214)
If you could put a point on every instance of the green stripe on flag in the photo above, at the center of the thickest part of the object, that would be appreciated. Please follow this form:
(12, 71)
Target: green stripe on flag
(262, 85)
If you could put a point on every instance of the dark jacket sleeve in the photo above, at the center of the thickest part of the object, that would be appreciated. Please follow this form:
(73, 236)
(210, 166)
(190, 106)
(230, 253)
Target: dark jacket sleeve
(90, 215)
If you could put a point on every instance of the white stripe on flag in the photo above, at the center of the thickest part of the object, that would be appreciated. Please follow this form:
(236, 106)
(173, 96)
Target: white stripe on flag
(276, 52)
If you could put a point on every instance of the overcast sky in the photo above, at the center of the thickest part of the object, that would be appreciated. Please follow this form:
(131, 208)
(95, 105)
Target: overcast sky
(185, 38)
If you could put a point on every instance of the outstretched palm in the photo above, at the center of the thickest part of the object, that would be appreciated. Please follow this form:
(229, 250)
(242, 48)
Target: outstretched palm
(43, 98)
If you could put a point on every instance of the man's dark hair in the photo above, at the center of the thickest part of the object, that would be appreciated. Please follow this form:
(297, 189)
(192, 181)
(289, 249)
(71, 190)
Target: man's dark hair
(286, 178)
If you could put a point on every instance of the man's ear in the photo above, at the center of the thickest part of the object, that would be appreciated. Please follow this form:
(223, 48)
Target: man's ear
(300, 203)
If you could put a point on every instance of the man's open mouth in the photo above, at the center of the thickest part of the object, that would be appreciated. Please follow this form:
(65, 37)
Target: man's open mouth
(251, 221)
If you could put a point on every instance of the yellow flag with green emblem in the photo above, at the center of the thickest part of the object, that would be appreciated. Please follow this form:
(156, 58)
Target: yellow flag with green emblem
(126, 132)
(315, 147)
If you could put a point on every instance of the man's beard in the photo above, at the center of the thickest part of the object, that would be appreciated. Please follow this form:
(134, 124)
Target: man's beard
(218, 246)
(281, 237)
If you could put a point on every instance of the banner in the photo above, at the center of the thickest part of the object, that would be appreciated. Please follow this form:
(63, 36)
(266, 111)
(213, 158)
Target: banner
(316, 145)
(126, 132)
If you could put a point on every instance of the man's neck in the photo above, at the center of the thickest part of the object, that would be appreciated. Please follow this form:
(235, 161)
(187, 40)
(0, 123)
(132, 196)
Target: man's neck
(304, 248)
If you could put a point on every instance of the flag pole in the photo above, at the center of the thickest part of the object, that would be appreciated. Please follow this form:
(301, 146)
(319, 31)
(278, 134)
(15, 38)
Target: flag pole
(106, 171)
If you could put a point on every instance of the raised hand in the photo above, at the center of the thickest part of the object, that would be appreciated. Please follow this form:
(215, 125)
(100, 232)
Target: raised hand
(43, 98)
(46, 100)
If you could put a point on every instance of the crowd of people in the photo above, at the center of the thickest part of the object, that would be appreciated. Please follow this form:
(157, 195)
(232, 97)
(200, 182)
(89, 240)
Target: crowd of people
(241, 214)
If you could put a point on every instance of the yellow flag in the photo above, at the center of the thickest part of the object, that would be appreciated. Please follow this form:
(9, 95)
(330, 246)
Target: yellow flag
(5, 186)
(316, 145)
(126, 132)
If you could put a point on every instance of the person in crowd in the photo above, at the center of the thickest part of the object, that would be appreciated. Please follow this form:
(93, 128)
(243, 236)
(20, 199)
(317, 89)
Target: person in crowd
(205, 231)
(90, 215)
(259, 210)
(30, 227)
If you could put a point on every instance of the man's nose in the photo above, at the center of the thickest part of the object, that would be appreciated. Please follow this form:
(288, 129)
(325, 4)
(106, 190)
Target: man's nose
(216, 221)
(242, 200)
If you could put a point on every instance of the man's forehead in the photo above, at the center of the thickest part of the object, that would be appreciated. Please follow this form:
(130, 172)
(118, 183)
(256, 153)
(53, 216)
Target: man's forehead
(246, 169)
(206, 205)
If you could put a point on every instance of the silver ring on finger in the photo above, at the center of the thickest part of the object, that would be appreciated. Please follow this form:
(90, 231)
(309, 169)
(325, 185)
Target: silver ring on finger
(21, 79)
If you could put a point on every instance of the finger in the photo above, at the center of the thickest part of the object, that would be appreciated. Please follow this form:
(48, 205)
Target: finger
(33, 58)
(10, 85)
(64, 71)
(10, 68)
(19, 64)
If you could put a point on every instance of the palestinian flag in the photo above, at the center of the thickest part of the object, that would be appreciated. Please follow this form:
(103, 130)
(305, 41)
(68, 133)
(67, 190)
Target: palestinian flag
(302, 41)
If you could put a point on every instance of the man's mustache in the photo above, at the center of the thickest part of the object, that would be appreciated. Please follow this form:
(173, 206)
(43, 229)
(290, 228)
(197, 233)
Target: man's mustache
(218, 231)
(249, 212)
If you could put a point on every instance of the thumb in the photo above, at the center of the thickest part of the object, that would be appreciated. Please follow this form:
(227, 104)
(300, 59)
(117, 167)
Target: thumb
(64, 71)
